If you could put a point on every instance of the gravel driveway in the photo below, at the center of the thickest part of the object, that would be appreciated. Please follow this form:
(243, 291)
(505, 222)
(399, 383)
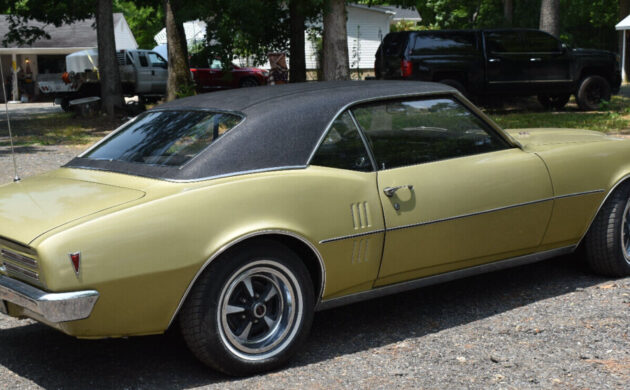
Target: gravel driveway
(547, 325)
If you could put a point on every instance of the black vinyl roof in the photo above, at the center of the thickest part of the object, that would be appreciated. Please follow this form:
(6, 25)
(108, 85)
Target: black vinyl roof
(283, 124)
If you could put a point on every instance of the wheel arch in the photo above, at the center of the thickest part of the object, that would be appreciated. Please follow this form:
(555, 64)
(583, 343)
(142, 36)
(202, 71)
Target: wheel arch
(300, 245)
(596, 71)
(621, 181)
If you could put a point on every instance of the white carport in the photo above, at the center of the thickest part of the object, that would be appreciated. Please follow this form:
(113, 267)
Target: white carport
(623, 26)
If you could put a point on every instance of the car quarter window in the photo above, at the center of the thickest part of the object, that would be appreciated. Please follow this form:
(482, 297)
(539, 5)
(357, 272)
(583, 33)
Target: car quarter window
(143, 59)
(409, 132)
(343, 147)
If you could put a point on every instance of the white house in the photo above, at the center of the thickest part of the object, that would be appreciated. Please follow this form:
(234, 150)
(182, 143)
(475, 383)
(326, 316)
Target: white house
(46, 56)
(366, 26)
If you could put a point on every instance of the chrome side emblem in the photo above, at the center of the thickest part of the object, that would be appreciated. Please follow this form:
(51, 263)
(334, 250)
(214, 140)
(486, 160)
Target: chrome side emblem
(75, 260)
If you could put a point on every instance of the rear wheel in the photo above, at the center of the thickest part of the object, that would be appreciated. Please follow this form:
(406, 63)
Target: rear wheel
(592, 92)
(554, 101)
(607, 243)
(250, 311)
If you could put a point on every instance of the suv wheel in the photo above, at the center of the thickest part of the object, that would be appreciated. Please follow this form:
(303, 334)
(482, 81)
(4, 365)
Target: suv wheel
(592, 91)
(553, 101)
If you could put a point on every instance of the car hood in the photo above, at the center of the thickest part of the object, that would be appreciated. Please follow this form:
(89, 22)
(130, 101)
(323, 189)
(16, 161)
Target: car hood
(553, 136)
(39, 204)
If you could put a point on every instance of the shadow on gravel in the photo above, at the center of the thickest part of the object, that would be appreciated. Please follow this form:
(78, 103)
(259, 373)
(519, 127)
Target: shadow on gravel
(53, 360)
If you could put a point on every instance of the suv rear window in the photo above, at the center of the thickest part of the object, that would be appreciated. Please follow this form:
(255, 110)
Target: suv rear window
(445, 43)
(165, 138)
(394, 43)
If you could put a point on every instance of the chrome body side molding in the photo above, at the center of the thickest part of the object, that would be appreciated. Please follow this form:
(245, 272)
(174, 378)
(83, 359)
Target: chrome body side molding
(243, 238)
(445, 277)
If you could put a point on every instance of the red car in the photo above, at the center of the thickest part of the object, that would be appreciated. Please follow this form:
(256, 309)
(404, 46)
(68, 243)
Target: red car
(215, 77)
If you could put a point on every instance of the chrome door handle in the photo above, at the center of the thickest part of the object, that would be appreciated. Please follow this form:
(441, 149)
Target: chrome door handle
(390, 191)
(535, 59)
(494, 60)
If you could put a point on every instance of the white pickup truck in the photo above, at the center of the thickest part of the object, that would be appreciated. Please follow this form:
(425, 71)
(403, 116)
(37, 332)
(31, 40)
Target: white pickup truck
(142, 73)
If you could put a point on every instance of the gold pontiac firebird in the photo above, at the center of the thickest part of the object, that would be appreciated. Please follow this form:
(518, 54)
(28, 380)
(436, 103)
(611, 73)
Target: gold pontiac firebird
(238, 214)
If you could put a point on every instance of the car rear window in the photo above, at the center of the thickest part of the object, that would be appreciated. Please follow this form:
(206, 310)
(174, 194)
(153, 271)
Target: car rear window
(444, 43)
(165, 138)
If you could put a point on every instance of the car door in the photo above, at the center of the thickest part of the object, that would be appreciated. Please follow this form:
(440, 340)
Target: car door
(144, 83)
(159, 73)
(506, 60)
(549, 62)
(454, 192)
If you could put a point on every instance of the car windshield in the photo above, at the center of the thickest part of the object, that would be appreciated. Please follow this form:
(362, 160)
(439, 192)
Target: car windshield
(167, 138)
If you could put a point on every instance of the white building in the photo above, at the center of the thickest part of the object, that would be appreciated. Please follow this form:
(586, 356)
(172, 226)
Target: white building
(47, 56)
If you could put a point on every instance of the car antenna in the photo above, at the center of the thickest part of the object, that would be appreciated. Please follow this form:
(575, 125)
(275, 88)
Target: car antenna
(16, 178)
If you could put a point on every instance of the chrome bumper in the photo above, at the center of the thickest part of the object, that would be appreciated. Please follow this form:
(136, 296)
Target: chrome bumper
(53, 307)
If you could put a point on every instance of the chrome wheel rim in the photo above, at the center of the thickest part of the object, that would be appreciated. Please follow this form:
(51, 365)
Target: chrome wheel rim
(625, 232)
(259, 310)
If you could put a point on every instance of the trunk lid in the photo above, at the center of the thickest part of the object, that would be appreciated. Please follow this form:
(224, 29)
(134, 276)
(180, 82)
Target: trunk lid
(39, 204)
(536, 138)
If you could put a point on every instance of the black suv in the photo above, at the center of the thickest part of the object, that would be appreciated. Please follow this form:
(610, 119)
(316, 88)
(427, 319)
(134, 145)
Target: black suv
(502, 62)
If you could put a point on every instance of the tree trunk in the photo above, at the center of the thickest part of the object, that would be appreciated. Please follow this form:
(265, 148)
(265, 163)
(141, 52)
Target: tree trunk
(179, 81)
(550, 16)
(508, 12)
(297, 71)
(624, 10)
(335, 63)
(109, 76)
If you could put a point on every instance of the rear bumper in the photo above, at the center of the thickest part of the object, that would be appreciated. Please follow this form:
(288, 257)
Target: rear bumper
(53, 307)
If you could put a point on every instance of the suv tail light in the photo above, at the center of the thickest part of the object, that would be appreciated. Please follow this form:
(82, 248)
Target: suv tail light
(406, 68)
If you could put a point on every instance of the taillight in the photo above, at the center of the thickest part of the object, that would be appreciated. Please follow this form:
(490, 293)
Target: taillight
(405, 68)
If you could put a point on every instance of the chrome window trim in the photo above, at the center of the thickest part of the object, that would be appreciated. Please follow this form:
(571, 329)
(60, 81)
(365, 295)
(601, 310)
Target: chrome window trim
(240, 173)
(229, 245)
(442, 278)
(389, 229)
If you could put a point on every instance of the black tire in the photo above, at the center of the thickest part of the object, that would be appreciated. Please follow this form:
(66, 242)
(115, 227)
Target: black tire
(238, 318)
(607, 244)
(592, 91)
(65, 105)
(556, 102)
(456, 84)
(248, 82)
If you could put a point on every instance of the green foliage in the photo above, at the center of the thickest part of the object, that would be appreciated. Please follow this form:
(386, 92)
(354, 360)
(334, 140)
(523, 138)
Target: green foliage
(244, 28)
(144, 20)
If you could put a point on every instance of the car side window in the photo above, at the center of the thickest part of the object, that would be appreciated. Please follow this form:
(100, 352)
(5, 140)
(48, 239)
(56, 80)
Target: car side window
(343, 147)
(538, 41)
(143, 59)
(505, 42)
(157, 60)
(410, 132)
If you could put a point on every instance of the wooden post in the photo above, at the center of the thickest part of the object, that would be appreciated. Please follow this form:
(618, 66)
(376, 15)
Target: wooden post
(624, 78)
(15, 92)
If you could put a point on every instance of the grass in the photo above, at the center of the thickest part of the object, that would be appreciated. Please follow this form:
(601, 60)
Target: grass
(613, 117)
(55, 129)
